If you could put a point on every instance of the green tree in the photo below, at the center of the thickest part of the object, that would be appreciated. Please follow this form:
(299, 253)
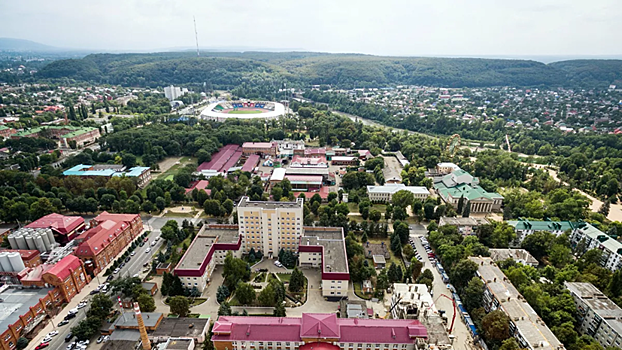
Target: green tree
(462, 273)
(22, 343)
(473, 294)
(428, 209)
(426, 278)
(234, 271)
(415, 268)
(496, 326)
(212, 207)
(460, 208)
(279, 310)
(467, 210)
(267, 297)
(402, 198)
(146, 303)
(408, 252)
(375, 215)
(222, 293)
(509, 344)
(245, 293)
(224, 309)
(297, 281)
(101, 306)
(179, 305)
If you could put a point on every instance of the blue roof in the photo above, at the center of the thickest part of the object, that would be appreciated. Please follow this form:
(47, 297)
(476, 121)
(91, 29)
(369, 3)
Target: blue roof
(79, 170)
(134, 172)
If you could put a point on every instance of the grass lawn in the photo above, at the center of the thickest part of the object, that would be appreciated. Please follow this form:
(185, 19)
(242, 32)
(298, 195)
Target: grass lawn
(244, 112)
(358, 290)
(198, 301)
(169, 178)
(285, 277)
(172, 171)
(183, 215)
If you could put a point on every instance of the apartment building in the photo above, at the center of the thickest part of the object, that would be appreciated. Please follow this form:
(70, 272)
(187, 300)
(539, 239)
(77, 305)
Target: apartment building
(270, 226)
(109, 235)
(598, 316)
(317, 331)
(525, 324)
(208, 249)
(524, 228)
(586, 237)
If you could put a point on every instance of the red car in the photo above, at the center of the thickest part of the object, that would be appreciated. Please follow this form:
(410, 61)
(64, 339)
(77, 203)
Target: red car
(42, 345)
(146, 239)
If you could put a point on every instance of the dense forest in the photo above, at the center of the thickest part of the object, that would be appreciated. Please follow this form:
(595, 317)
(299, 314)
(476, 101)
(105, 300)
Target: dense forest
(228, 70)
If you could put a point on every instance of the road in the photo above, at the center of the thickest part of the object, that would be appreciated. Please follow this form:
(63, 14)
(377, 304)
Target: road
(462, 338)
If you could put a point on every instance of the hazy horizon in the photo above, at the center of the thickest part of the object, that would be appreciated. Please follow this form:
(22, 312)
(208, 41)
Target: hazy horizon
(480, 28)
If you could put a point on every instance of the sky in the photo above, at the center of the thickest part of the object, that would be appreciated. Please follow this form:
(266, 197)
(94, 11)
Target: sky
(385, 27)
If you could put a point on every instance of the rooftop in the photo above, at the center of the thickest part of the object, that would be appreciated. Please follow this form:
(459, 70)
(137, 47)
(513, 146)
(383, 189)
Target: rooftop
(598, 302)
(538, 225)
(332, 241)
(245, 202)
(202, 247)
(527, 321)
(109, 226)
(128, 319)
(181, 327)
(519, 255)
(459, 221)
(60, 223)
(17, 302)
(393, 188)
(178, 344)
(259, 144)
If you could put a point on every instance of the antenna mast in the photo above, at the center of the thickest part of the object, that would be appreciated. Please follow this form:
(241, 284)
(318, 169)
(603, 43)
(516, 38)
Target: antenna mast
(196, 35)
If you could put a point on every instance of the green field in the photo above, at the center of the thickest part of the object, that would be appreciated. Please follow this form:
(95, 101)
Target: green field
(244, 112)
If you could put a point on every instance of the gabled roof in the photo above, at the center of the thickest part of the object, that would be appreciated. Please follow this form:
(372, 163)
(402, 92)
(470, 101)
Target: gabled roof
(319, 326)
(61, 223)
(97, 238)
(63, 268)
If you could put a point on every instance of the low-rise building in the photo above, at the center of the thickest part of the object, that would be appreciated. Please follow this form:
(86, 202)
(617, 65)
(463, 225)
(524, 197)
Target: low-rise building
(524, 228)
(446, 168)
(316, 331)
(263, 148)
(290, 148)
(345, 160)
(81, 137)
(460, 184)
(68, 275)
(208, 249)
(598, 316)
(141, 174)
(385, 193)
(309, 162)
(30, 257)
(109, 235)
(324, 247)
(525, 324)
(64, 228)
(585, 237)
(466, 226)
(6, 132)
(519, 255)
(181, 328)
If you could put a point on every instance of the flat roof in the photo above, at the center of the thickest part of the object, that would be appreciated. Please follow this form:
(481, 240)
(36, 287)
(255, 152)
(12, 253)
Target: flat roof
(17, 302)
(332, 240)
(179, 344)
(459, 221)
(128, 319)
(526, 320)
(598, 302)
(393, 188)
(200, 246)
(278, 174)
(520, 255)
(245, 202)
(181, 327)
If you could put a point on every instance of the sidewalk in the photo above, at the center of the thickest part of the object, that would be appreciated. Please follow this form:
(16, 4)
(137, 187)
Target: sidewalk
(84, 293)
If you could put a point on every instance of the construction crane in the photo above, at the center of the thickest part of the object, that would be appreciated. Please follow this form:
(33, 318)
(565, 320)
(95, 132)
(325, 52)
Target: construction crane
(453, 319)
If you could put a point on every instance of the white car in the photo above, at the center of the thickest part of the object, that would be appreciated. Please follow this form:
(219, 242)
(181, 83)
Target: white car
(116, 271)
(73, 311)
(81, 305)
(47, 339)
(53, 334)
(148, 250)
(133, 253)
(100, 339)
(106, 338)
(153, 243)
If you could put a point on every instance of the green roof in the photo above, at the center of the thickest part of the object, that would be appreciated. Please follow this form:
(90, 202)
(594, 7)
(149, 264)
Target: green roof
(467, 191)
(38, 129)
(538, 225)
(80, 131)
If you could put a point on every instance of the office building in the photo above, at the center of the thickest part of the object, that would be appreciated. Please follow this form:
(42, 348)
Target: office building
(460, 184)
(270, 226)
(174, 92)
(525, 324)
(598, 316)
(316, 331)
(385, 193)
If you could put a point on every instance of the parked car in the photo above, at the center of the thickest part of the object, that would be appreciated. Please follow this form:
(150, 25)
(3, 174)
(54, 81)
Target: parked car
(94, 291)
(146, 239)
(68, 337)
(100, 339)
(69, 316)
(53, 334)
(133, 253)
(47, 339)
(62, 323)
(42, 345)
(81, 305)
(106, 338)
(128, 259)
(278, 264)
(154, 243)
(74, 311)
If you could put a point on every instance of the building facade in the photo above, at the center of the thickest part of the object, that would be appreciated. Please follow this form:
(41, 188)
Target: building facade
(263, 148)
(598, 316)
(316, 331)
(460, 184)
(585, 237)
(270, 226)
(385, 193)
(112, 233)
(524, 228)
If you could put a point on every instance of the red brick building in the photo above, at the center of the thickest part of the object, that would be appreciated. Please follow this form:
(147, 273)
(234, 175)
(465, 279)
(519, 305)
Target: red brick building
(31, 258)
(68, 276)
(99, 245)
(65, 228)
(6, 132)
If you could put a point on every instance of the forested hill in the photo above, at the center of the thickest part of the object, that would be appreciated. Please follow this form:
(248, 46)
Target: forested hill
(227, 70)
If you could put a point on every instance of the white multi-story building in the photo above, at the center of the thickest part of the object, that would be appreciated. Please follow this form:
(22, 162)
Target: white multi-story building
(598, 316)
(270, 226)
(174, 92)
(524, 228)
(386, 192)
(586, 237)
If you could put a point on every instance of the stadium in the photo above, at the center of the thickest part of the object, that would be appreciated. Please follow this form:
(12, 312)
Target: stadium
(221, 111)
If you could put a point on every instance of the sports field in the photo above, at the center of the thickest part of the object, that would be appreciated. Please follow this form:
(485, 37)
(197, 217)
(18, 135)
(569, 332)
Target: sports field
(245, 111)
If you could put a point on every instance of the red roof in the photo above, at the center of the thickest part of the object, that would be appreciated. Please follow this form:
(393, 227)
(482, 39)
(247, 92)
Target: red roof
(316, 326)
(199, 185)
(308, 195)
(109, 226)
(63, 268)
(220, 158)
(251, 163)
(25, 253)
(318, 346)
(60, 223)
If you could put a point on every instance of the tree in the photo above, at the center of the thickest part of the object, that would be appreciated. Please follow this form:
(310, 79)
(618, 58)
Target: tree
(245, 293)
(460, 208)
(496, 326)
(462, 273)
(509, 344)
(279, 310)
(277, 193)
(267, 297)
(604, 208)
(396, 244)
(148, 207)
(212, 207)
(401, 229)
(101, 306)
(146, 303)
(179, 305)
(402, 198)
(467, 210)
(395, 273)
(375, 215)
(415, 268)
(428, 209)
(473, 294)
(22, 343)
(426, 278)
(87, 328)
(235, 270)
(408, 252)
(224, 309)
(538, 243)
(222, 293)
(297, 281)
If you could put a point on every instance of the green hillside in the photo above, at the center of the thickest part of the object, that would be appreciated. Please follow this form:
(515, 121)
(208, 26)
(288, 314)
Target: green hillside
(230, 69)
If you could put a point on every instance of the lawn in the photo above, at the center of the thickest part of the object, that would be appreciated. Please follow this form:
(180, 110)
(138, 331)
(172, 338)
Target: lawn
(358, 290)
(172, 171)
(386, 241)
(244, 112)
(285, 277)
(198, 301)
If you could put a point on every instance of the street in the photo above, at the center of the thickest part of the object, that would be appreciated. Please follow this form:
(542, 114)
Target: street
(462, 340)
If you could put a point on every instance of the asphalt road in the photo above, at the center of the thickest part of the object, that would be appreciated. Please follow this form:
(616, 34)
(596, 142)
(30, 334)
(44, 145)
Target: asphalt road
(58, 342)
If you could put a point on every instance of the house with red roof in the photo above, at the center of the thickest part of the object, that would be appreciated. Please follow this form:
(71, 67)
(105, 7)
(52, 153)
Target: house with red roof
(108, 236)
(68, 276)
(65, 228)
(317, 332)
